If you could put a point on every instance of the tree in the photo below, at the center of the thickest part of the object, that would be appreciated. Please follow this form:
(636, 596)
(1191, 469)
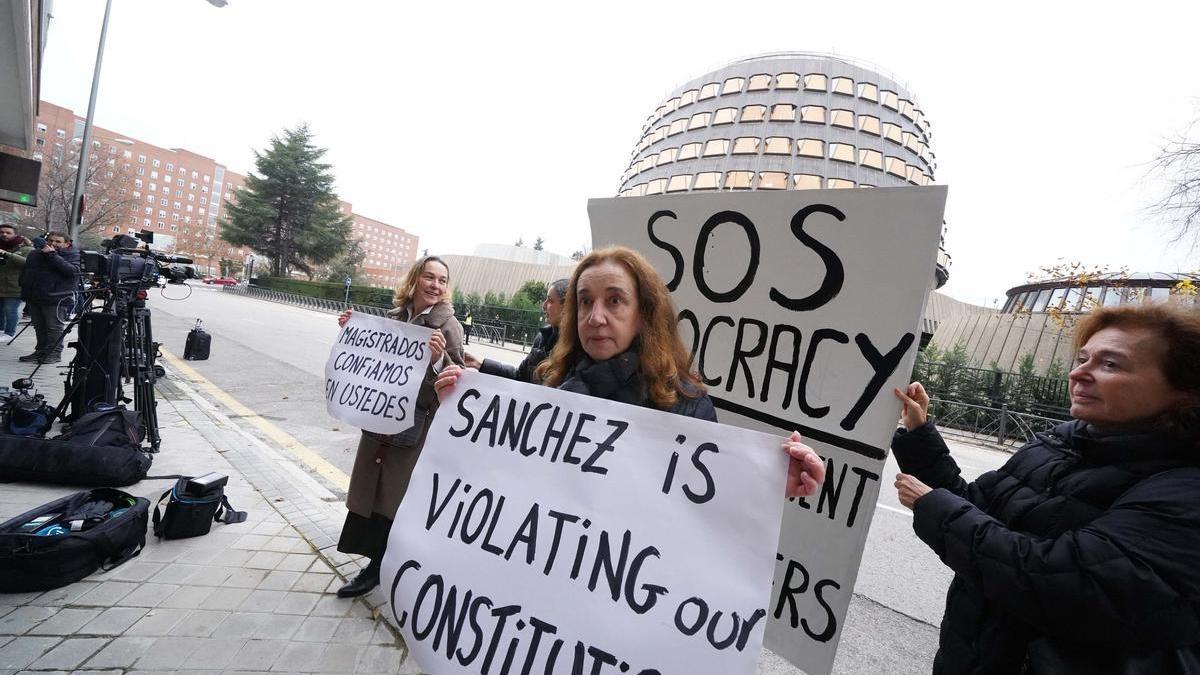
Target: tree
(347, 264)
(529, 296)
(287, 210)
(577, 255)
(539, 244)
(519, 242)
(1178, 164)
(107, 190)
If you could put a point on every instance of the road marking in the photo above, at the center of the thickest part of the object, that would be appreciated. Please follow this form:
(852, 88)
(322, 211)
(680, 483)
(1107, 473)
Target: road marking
(903, 512)
(285, 440)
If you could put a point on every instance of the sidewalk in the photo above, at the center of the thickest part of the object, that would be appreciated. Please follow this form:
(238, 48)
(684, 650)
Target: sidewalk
(252, 597)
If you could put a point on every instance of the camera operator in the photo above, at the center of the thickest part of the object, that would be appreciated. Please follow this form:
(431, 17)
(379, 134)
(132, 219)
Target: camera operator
(48, 282)
(13, 250)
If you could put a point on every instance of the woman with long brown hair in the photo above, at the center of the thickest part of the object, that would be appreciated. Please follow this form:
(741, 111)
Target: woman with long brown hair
(618, 341)
(384, 464)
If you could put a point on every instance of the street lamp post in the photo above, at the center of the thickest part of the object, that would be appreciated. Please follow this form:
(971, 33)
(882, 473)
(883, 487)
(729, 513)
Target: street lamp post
(86, 149)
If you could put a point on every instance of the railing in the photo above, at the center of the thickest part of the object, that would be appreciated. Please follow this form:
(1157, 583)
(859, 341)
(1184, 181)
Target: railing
(320, 304)
(996, 425)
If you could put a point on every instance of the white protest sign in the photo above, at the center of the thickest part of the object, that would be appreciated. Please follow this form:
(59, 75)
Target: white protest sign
(551, 532)
(374, 372)
(802, 310)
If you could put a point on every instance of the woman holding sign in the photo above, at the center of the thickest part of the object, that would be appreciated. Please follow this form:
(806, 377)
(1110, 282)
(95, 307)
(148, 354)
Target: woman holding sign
(384, 464)
(618, 341)
(1082, 553)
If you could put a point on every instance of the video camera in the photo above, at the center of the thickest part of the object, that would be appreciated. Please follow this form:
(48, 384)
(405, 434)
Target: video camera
(127, 264)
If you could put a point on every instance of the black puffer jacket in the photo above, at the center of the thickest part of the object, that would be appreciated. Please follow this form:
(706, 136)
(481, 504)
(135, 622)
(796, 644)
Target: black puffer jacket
(49, 277)
(619, 379)
(1080, 555)
(542, 344)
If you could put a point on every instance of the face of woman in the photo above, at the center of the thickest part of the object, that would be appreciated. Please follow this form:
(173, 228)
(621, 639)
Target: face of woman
(431, 285)
(1118, 379)
(608, 317)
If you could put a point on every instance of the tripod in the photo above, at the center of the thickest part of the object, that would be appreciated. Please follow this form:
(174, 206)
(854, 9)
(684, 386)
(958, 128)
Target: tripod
(115, 345)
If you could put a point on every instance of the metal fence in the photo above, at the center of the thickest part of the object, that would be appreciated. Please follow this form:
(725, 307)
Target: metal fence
(320, 304)
(996, 425)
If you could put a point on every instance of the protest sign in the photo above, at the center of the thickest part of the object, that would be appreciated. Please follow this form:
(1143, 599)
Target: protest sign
(802, 310)
(374, 372)
(551, 532)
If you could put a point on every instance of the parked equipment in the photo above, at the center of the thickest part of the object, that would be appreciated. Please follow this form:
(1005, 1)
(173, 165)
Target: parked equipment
(197, 345)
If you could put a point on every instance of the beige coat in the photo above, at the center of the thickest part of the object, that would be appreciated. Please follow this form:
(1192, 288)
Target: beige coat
(384, 464)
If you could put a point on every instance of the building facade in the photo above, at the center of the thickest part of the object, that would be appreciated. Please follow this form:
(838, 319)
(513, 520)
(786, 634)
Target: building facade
(180, 196)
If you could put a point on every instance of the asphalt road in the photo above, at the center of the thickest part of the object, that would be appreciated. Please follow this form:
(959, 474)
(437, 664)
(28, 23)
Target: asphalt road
(271, 358)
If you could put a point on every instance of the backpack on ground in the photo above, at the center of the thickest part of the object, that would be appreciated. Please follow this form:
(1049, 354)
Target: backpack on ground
(70, 463)
(116, 427)
(194, 505)
(63, 541)
(197, 344)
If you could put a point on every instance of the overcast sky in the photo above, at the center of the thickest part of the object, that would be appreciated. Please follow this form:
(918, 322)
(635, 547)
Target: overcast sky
(484, 122)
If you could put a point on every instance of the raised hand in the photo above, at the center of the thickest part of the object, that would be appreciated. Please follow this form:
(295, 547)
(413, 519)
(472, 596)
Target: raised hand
(909, 489)
(806, 470)
(343, 318)
(916, 405)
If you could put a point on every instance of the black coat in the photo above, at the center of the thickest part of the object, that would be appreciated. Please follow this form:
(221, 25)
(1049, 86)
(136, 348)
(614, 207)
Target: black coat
(619, 379)
(542, 344)
(47, 278)
(1080, 555)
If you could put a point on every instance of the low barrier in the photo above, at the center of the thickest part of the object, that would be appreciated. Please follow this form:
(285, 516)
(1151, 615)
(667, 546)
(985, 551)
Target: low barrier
(320, 304)
(994, 425)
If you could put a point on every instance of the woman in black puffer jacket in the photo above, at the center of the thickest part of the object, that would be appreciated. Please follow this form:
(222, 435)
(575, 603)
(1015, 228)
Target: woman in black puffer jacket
(1082, 553)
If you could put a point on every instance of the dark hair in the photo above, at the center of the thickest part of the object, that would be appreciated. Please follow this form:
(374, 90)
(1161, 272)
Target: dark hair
(665, 363)
(559, 288)
(9, 226)
(56, 233)
(1178, 328)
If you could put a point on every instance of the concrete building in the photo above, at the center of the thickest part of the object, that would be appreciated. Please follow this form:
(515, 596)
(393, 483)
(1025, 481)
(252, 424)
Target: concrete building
(1038, 318)
(390, 250)
(23, 28)
(478, 274)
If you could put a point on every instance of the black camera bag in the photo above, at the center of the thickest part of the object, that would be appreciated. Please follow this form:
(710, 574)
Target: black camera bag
(108, 428)
(70, 463)
(31, 562)
(188, 515)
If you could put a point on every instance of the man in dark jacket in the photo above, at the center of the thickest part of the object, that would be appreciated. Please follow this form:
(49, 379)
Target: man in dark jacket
(542, 344)
(48, 283)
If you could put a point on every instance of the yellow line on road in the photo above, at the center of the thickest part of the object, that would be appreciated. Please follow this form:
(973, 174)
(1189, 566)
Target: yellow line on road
(279, 436)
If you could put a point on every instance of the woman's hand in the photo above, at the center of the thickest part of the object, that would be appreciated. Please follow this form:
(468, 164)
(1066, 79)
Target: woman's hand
(916, 406)
(806, 470)
(909, 489)
(343, 318)
(437, 346)
(446, 380)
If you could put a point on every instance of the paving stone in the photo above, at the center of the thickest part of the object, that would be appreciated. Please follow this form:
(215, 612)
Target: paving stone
(241, 624)
(157, 622)
(279, 580)
(296, 562)
(106, 594)
(300, 656)
(210, 576)
(149, 595)
(252, 542)
(69, 654)
(121, 652)
(25, 650)
(22, 619)
(376, 659)
(265, 560)
(187, 597)
(384, 635)
(226, 598)
(114, 621)
(298, 603)
(278, 544)
(215, 653)
(313, 582)
(66, 621)
(137, 571)
(199, 623)
(168, 653)
(262, 601)
(299, 545)
(409, 666)
(21, 598)
(330, 605)
(66, 595)
(317, 629)
(162, 554)
(355, 631)
(245, 578)
(175, 574)
(278, 627)
(257, 655)
(339, 659)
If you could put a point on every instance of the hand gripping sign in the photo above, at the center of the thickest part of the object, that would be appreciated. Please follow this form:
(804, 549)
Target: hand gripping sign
(551, 532)
(802, 311)
(374, 372)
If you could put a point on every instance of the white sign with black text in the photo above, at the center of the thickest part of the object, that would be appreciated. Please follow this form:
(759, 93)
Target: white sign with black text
(551, 532)
(374, 372)
(802, 310)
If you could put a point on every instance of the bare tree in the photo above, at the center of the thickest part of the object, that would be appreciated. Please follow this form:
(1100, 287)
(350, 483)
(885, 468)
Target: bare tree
(109, 193)
(1178, 163)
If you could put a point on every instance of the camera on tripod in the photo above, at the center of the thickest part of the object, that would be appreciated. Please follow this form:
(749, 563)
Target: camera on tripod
(126, 264)
(23, 413)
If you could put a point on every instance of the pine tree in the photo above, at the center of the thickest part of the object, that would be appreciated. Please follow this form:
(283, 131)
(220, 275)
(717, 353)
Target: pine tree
(287, 210)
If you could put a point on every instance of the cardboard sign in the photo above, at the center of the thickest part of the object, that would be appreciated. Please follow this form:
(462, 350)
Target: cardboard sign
(802, 310)
(374, 372)
(551, 532)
